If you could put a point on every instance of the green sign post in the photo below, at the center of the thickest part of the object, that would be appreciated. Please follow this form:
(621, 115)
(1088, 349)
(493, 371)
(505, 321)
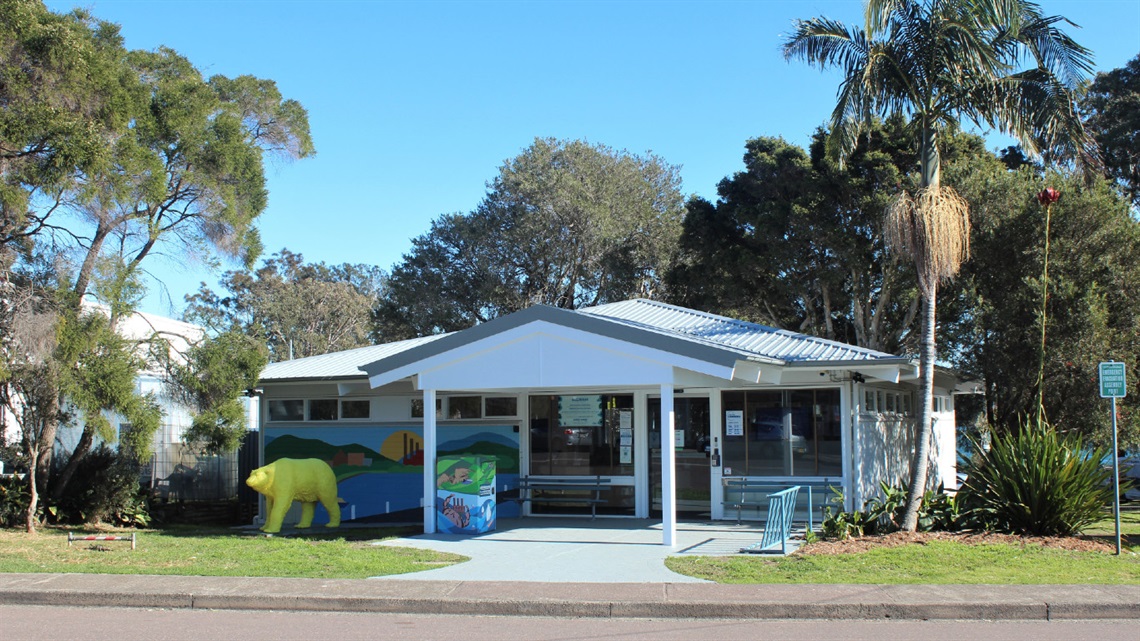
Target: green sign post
(1112, 380)
(1112, 386)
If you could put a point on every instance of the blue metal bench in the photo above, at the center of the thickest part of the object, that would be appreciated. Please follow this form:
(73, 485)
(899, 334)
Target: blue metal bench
(781, 508)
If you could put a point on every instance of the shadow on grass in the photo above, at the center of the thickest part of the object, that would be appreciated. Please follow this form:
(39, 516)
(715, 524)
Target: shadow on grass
(318, 533)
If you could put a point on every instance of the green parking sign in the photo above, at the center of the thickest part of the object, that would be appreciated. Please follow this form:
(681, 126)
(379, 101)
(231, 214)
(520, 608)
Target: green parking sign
(1112, 380)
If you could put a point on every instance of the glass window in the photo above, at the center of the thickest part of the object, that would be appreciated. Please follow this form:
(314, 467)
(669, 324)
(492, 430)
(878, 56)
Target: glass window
(418, 407)
(581, 434)
(501, 406)
(868, 401)
(355, 409)
(584, 435)
(906, 408)
(323, 409)
(787, 433)
(464, 407)
(890, 403)
(290, 410)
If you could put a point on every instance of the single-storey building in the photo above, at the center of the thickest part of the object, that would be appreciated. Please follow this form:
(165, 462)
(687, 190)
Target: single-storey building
(573, 394)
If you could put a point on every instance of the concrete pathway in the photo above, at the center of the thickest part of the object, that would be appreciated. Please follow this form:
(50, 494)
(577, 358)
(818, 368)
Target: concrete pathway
(563, 550)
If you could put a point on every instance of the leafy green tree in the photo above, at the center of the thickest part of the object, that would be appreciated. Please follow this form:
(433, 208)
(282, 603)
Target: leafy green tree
(209, 378)
(64, 93)
(795, 241)
(107, 155)
(297, 309)
(67, 366)
(937, 62)
(991, 319)
(565, 223)
(1112, 113)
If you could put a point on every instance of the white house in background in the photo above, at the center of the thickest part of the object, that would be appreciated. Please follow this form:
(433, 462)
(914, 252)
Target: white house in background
(143, 327)
(561, 394)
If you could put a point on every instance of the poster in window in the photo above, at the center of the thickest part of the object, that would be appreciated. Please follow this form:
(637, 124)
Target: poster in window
(579, 411)
(625, 452)
(734, 423)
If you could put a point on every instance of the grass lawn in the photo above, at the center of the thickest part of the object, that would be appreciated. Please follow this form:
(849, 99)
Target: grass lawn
(937, 562)
(338, 554)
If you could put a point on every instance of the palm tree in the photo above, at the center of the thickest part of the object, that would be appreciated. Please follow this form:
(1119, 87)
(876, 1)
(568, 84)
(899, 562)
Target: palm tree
(998, 63)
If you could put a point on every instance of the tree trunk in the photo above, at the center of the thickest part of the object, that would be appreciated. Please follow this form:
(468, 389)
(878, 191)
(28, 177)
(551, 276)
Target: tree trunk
(81, 450)
(45, 443)
(928, 283)
(83, 278)
(33, 492)
(921, 463)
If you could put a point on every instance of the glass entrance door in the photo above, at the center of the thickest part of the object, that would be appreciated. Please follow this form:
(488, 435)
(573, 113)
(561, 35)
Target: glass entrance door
(691, 444)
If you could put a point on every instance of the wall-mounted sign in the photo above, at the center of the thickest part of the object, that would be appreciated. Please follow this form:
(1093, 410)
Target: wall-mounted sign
(734, 423)
(579, 411)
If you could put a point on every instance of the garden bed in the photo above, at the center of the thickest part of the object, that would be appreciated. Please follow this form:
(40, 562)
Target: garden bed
(855, 545)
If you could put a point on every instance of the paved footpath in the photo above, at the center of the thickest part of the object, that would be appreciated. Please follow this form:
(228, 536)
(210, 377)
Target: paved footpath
(658, 600)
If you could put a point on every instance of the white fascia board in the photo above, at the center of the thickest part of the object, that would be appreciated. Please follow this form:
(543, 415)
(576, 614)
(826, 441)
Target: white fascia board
(753, 372)
(889, 374)
(438, 362)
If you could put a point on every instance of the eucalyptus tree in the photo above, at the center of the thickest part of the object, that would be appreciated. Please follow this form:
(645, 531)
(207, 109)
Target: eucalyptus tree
(999, 63)
(295, 309)
(565, 223)
(109, 155)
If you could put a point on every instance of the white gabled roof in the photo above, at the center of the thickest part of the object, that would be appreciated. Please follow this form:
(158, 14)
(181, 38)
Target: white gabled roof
(339, 365)
(759, 340)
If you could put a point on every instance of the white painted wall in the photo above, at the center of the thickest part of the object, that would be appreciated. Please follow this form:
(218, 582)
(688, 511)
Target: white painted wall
(885, 447)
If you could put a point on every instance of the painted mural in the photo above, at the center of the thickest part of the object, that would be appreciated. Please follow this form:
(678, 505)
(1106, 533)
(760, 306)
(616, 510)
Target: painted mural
(465, 498)
(379, 470)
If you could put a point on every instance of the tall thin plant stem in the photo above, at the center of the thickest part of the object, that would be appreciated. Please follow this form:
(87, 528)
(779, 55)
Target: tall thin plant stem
(1047, 197)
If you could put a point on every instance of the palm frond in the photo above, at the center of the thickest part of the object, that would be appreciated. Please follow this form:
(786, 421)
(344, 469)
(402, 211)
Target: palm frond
(1054, 50)
(823, 42)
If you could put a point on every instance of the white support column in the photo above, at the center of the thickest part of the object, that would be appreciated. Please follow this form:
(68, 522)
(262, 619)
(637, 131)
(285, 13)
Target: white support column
(668, 469)
(429, 461)
(850, 403)
(716, 431)
(641, 459)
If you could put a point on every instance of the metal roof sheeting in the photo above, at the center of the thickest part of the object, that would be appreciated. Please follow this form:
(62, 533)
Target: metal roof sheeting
(759, 340)
(749, 340)
(346, 364)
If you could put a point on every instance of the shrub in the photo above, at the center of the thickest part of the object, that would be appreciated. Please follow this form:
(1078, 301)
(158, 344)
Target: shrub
(105, 489)
(1037, 482)
(14, 499)
(882, 514)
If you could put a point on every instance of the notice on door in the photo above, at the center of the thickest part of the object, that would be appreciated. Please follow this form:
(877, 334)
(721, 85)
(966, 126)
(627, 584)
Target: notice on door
(579, 411)
(734, 423)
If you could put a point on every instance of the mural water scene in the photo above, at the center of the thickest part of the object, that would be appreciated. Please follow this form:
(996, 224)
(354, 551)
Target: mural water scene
(379, 470)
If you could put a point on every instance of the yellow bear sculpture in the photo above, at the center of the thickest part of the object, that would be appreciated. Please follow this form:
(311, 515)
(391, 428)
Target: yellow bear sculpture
(286, 480)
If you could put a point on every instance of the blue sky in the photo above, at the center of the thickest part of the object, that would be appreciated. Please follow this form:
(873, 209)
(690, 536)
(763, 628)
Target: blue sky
(414, 105)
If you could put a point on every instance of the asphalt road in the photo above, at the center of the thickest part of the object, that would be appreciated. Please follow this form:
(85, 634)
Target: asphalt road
(44, 623)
